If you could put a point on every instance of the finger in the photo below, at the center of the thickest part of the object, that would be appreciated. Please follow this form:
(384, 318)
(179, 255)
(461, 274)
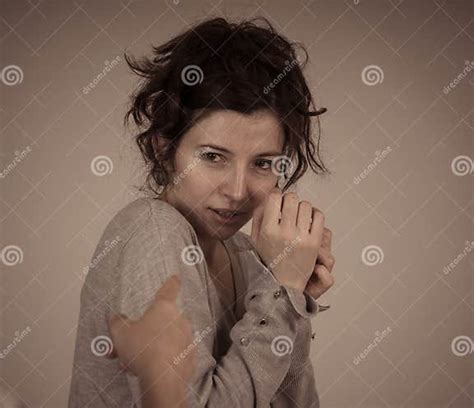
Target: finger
(320, 281)
(118, 327)
(271, 211)
(289, 212)
(169, 290)
(305, 210)
(257, 222)
(327, 238)
(317, 224)
(325, 258)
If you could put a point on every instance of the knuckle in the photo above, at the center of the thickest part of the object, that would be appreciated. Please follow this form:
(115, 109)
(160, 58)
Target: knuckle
(268, 231)
(291, 196)
(274, 195)
(305, 204)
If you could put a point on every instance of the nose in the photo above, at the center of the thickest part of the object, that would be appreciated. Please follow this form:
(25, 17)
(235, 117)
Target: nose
(234, 186)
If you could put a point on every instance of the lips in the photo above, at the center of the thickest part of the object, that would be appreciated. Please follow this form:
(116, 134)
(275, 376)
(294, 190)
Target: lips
(226, 212)
(225, 215)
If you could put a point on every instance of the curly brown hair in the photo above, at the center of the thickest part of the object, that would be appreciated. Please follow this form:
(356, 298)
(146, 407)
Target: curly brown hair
(215, 65)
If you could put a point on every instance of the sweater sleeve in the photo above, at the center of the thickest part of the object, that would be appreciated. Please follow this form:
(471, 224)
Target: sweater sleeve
(298, 388)
(260, 354)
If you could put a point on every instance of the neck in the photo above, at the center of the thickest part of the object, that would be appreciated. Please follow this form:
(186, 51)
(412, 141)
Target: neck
(211, 249)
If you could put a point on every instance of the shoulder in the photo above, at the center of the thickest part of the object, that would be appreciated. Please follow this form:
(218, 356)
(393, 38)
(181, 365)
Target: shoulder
(146, 215)
(139, 244)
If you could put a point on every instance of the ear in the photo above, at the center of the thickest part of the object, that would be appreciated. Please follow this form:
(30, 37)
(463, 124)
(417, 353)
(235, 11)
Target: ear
(160, 144)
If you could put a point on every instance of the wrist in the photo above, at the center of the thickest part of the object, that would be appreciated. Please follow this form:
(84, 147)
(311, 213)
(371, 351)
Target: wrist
(295, 286)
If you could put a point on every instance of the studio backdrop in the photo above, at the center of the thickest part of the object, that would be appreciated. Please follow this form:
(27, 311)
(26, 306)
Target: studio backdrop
(396, 79)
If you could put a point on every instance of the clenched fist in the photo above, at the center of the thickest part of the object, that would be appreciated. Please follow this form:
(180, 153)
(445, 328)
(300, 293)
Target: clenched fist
(147, 348)
(288, 240)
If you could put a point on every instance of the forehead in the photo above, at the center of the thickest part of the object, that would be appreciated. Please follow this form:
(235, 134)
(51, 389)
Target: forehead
(238, 132)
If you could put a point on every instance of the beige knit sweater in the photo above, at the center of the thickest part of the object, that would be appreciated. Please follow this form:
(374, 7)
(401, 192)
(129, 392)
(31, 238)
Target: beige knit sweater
(255, 357)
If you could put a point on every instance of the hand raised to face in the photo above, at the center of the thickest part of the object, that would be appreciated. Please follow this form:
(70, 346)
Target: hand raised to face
(287, 234)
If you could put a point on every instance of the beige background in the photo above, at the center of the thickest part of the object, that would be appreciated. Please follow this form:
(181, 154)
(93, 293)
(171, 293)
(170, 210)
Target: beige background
(415, 206)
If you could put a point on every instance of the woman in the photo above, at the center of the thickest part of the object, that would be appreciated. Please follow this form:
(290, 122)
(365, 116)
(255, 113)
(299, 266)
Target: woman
(223, 112)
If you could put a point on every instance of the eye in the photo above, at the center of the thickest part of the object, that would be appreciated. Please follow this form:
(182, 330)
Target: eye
(209, 156)
(264, 164)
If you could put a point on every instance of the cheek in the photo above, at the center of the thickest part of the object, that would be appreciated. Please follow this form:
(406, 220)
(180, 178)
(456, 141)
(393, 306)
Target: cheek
(261, 189)
(196, 184)
(206, 178)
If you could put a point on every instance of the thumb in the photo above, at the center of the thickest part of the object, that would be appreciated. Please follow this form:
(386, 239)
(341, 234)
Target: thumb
(169, 290)
(118, 326)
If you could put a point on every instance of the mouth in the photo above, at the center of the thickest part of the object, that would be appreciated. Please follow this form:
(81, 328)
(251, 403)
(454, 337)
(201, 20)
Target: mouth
(227, 216)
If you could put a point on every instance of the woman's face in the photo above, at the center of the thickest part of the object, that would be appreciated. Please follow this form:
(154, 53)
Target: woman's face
(224, 162)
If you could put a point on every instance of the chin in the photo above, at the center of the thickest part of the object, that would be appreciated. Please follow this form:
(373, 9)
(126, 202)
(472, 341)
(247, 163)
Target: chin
(224, 232)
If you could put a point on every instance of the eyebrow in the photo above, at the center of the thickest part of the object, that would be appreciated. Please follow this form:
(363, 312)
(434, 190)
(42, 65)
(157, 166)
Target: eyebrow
(223, 149)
